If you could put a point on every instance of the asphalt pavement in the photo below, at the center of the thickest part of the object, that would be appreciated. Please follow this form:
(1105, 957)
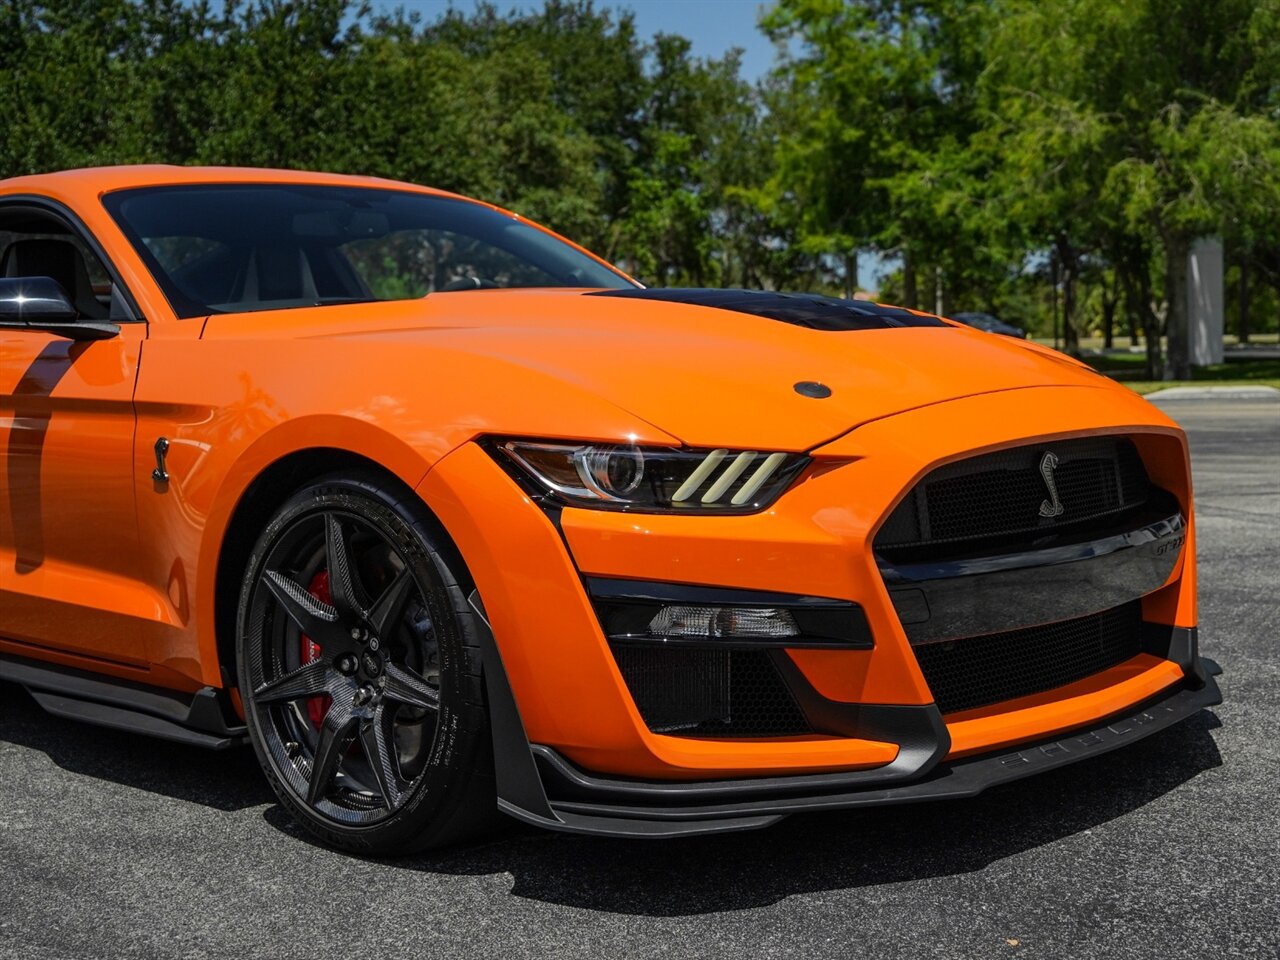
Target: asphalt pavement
(115, 846)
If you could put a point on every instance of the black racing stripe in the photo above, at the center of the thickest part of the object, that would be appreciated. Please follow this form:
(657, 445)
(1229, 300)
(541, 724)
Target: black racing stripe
(801, 309)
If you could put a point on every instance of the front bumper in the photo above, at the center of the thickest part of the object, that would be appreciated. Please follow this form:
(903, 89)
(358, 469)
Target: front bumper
(573, 750)
(539, 786)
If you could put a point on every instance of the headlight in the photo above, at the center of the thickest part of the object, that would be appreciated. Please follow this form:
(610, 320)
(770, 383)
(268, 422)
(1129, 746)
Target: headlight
(621, 477)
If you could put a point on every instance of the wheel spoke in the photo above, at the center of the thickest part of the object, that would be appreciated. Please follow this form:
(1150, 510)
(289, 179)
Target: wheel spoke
(405, 686)
(373, 737)
(306, 681)
(336, 734)
(389, 608)
(314, 618)
(345, 720)
(341, 569)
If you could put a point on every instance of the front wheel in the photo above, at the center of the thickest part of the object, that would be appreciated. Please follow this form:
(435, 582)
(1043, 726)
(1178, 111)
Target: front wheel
(359, 671)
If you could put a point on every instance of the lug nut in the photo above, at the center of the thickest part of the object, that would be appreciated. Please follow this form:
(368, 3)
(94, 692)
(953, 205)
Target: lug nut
(374, 644)
(363, 696)
(347, 664)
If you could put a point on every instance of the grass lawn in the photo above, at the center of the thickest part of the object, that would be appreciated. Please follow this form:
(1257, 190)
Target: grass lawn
(1230, 340)
(1128, 368)
(1151, 386)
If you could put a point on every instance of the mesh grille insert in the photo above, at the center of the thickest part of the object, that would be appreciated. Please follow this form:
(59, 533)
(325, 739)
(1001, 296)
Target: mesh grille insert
(998, 496)
(696, 691)
(977, 671)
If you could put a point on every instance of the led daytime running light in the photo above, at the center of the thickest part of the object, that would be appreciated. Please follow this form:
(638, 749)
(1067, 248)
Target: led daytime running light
(665, 479)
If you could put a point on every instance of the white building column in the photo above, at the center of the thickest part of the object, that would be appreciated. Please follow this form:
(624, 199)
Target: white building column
(1205, 301)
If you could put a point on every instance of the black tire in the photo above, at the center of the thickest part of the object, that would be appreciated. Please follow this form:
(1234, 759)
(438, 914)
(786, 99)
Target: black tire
(376, 739)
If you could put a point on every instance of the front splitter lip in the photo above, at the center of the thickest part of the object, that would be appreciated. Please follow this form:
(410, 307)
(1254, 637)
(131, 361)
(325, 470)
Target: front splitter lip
(630, 808)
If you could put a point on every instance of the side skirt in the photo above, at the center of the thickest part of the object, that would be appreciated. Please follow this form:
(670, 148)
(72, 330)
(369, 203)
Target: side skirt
(202, 719)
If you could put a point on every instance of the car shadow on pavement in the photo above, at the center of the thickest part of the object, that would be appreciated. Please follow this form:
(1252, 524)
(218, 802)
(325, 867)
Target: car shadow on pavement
(802, 854)
(835, 851)
(222, 780)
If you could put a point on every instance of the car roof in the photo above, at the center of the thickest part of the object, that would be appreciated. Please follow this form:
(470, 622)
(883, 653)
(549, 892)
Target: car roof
(95, 181)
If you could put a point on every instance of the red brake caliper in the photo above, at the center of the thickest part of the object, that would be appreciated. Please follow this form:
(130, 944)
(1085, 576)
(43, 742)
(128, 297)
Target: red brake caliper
(317, 707)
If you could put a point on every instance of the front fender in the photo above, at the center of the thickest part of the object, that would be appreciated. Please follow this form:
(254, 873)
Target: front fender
(232, 407)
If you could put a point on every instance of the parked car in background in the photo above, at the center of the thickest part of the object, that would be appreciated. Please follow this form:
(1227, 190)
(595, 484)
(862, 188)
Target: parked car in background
(985, 321)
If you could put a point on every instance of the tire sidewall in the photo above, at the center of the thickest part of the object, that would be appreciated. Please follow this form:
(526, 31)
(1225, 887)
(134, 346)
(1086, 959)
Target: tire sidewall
(460, 746)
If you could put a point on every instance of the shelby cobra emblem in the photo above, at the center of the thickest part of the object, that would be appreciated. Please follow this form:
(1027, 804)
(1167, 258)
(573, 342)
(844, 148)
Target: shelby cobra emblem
(1053, 506)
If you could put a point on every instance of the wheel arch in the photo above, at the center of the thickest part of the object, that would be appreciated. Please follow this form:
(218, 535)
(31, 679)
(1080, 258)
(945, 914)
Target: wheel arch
(263, 496)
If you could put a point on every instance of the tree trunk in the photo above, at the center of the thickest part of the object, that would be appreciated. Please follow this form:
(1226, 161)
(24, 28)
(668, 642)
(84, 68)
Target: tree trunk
(1069, 259)
(1110, 302)
(1242, 330)
(1155, 360)
(939, 291)
(1176, 249)
(1070, 335)
(910, 295)
(1053, 294)
(1136, 279)
(850, 274)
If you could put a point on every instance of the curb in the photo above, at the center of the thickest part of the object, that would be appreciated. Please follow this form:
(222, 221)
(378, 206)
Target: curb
(1215, 393)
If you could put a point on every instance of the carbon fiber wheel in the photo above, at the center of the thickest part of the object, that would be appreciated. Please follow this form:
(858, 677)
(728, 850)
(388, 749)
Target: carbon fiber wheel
(359, 670)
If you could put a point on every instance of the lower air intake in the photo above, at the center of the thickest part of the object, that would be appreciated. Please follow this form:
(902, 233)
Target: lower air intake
(978, 671)
(695, 691)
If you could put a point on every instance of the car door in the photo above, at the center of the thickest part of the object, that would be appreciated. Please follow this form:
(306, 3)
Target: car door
(68, 527)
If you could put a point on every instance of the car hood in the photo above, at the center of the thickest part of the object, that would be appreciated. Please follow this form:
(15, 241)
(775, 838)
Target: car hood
(712, 374)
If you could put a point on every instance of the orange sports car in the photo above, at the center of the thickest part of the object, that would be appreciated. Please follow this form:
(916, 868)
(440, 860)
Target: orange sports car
(446, 516)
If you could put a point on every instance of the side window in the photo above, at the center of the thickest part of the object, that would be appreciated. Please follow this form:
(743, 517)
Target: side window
(33, 244)
(412, 263)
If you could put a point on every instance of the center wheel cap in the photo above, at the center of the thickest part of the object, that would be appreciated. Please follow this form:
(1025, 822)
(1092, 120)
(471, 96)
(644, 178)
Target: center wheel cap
(372, 665)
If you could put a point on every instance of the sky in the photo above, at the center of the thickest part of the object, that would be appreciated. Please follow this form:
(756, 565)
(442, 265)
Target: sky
(713, 26)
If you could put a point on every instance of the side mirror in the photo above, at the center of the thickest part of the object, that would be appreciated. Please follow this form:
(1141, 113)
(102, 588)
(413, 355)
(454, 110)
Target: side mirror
(40, 303)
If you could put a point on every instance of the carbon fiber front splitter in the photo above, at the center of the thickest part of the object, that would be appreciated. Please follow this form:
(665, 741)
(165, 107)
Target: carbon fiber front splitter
(628, 808)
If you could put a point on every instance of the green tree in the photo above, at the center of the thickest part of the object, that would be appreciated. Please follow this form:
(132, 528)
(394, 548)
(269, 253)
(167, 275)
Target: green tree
(879, 102)
(1136, 124)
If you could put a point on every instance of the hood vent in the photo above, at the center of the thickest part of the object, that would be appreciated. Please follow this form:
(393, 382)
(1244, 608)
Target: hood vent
(800, 309)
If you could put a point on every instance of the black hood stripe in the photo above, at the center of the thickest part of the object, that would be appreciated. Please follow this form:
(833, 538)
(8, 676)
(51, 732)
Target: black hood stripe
(800, 309)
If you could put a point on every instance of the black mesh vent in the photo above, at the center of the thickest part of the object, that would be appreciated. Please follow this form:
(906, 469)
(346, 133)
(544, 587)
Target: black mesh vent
(695, 691)
(995, 499)
(977, 671)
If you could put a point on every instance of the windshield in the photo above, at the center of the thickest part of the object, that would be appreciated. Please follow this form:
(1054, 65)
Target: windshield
(230, 248)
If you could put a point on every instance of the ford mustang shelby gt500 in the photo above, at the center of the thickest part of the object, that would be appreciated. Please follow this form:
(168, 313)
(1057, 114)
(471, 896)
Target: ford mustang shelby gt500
(447, 516)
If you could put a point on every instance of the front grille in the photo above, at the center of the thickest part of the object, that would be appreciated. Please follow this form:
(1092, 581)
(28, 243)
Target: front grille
(994, 500)
(697, 691)
(977, 671)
